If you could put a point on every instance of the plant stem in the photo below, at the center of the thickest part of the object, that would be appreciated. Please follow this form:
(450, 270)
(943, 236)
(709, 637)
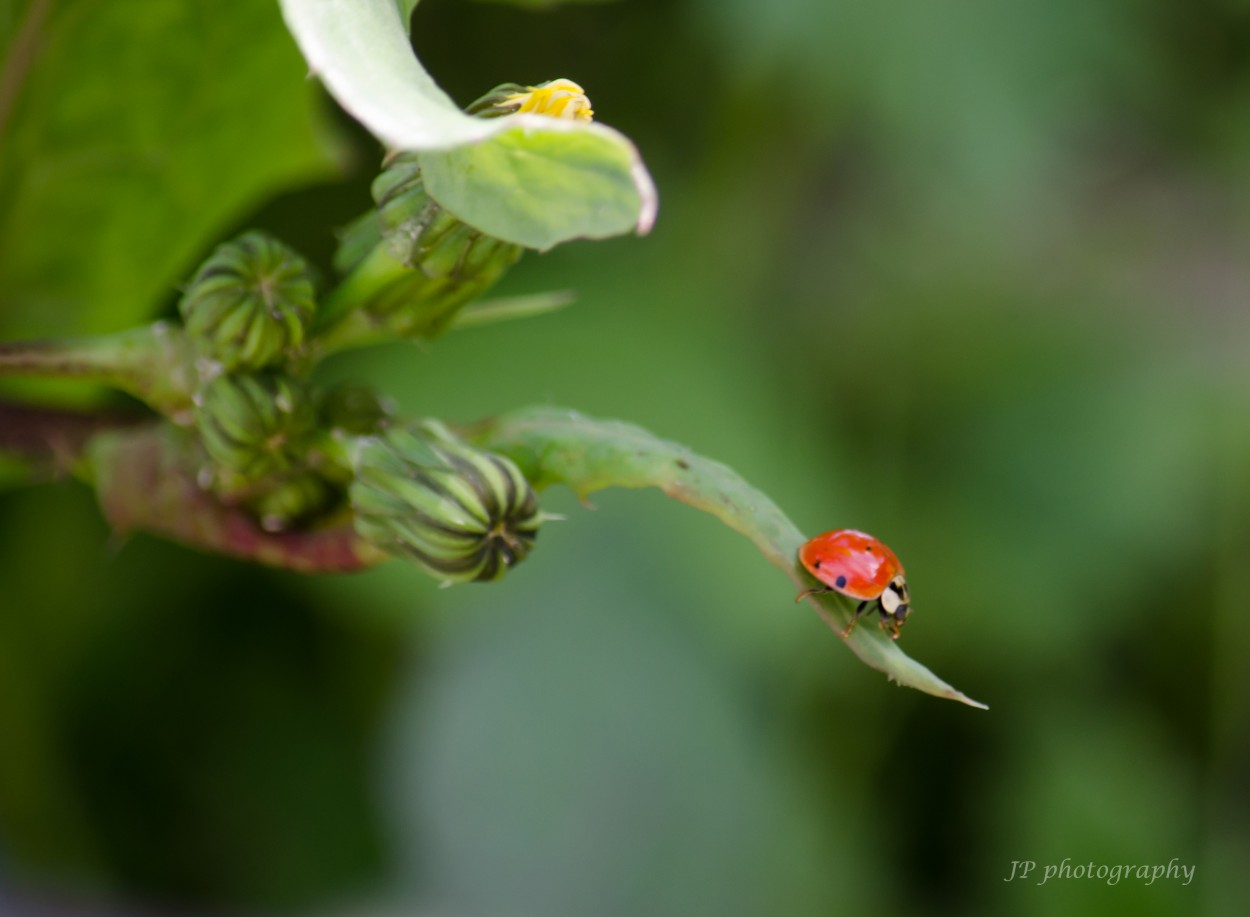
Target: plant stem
(341, 323)
(146, 480)
(53, 437)
(154, 363)
(145, 477)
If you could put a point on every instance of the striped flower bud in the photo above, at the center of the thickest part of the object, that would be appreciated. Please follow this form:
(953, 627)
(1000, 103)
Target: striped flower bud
(249, 304)
(462, 513)
(255, 424)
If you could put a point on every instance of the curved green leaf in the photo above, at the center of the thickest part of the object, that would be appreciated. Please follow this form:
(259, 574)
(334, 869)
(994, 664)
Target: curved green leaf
(541, 188)
(528, 179)
(556, 446)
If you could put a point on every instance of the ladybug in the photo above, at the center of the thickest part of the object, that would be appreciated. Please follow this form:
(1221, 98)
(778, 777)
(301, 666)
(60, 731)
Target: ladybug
(858, 565)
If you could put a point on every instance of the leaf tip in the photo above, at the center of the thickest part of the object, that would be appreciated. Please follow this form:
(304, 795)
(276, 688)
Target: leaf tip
(648, 197)
(959, 697)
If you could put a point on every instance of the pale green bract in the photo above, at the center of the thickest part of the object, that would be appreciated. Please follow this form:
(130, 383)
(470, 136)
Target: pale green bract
(532, 180)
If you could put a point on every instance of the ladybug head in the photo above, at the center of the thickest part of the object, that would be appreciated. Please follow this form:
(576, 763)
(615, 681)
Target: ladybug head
(895, 603)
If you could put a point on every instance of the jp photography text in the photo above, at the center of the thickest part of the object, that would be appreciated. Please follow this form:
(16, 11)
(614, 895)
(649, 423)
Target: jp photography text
(1111, 873)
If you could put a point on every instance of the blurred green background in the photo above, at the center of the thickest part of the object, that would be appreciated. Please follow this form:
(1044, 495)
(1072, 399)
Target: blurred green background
(971, 275)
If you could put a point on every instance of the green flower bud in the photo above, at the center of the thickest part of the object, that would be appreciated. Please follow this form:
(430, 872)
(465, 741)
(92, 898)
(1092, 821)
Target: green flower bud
(462, 513)
(354, 408)
(255, 424)
(448, 261)
(293, 500)
(411, 265)
(249, 304)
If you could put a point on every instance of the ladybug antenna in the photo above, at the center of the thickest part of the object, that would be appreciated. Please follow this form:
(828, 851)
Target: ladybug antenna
(819, 590)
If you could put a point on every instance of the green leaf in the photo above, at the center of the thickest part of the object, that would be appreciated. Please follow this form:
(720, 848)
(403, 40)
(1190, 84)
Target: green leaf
(540, 188)
(528, 179)
(556, 446)
(139, 130)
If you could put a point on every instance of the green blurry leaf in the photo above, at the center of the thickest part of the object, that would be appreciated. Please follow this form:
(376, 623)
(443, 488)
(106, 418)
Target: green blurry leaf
(13, 472)
(555, 446)
(973, 99)
(528, 179)
(139, 129)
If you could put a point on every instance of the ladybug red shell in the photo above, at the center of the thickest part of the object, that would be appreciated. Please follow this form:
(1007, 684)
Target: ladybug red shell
(861, 567)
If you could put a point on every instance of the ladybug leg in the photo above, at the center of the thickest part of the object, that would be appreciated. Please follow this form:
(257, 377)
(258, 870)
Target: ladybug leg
(890, 624)
(863, 609)
(819, 590)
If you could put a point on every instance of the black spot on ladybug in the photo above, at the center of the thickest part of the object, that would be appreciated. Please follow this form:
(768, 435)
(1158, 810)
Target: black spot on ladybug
(840, 581)
(867, 547)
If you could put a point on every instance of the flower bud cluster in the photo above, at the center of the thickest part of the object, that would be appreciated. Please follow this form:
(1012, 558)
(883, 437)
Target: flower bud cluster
(290, 454)
(246, 313)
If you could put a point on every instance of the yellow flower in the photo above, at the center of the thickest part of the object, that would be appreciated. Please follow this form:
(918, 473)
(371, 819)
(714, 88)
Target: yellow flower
(557, 99)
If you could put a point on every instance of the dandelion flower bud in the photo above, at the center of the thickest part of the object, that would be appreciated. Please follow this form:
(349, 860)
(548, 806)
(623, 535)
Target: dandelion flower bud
(249, 304)
(462, 513)
(255, 424)
(562, 99)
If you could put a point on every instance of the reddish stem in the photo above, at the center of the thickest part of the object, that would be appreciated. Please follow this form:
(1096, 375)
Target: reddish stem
(146, 481)
(144, 474)
(55, 435)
